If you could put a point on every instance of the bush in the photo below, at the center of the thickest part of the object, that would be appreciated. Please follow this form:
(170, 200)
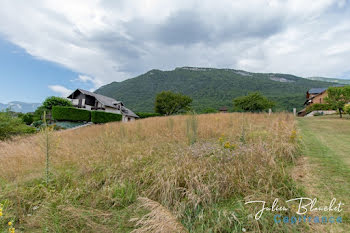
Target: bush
(28, 118)
(317, 107)
(318, 114)
(104, 117)
(11, 126)
(62, 113)
(37, 123)
(347, 108)
(210, 110)
(147, 114)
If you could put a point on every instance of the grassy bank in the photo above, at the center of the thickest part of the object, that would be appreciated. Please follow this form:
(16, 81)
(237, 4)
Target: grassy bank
(326, 166)
(162, 174)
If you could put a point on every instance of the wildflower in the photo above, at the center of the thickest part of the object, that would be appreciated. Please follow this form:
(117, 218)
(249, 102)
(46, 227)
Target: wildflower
(230, 146)
(293, 135)
(11, 229)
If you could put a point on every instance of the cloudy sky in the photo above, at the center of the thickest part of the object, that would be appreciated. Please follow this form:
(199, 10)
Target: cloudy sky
(49, 47)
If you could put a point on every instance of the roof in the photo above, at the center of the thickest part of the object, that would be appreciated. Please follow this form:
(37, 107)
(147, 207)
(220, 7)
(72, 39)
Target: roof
(316, 90)
(309, 100)
(107, 101)
(128, 112)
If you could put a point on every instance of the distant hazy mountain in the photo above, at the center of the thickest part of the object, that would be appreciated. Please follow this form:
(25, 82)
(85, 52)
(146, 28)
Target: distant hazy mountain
(17, 106)
(210, 88)
(333, 80)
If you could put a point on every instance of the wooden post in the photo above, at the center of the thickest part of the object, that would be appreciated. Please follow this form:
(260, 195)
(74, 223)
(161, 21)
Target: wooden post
(295, 111)
(270, 111)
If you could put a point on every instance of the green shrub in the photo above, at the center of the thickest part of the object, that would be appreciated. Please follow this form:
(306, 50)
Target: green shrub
(11, 126)
(147, 114)
(210, 110)
(28, 118)
(104, 117)
(317, 107)
(62, 113)
(347, 108)
(318, 114)
(37, 123)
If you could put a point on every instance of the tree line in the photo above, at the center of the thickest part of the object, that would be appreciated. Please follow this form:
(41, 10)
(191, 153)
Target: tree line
(168, 103)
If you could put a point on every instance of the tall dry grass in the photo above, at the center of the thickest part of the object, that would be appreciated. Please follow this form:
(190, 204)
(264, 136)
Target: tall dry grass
(179, 162)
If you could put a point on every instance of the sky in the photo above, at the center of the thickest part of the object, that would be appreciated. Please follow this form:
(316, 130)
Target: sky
(51, 47)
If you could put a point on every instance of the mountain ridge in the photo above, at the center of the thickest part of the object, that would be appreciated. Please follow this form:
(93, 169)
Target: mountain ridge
(210, 87)
(18, 106)
(333, 80)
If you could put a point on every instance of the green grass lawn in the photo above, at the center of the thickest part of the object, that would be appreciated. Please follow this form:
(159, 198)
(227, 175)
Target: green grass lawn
(326, 147)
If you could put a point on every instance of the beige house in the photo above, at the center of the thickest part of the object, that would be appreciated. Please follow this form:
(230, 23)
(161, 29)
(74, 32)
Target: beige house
(313, 96)
(91, 101)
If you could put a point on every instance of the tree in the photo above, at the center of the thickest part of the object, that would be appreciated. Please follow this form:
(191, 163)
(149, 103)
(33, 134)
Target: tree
(337, 97)
(254, 102)
(28, 118)
(168, 103)
(55, 101)
(39, 112)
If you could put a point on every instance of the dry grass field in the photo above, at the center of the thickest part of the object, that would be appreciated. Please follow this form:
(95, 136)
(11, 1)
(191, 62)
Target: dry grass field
(188, 173)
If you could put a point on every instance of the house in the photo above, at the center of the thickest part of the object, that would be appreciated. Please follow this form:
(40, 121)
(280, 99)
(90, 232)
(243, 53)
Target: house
(91, 101)
(223, 109)
(315, 95)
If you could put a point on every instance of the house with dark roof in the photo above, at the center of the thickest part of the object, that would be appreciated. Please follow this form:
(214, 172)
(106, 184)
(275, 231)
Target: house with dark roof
(313, 96)
(91, 101)
(223, 109)
(316, 96)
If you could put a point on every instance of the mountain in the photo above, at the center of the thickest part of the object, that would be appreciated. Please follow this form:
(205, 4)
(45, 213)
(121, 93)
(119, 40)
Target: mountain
(333, 80)
(210, 88)
(17, 106)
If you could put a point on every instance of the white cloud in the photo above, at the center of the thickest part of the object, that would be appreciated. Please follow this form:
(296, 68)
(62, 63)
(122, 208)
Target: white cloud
(85, 79)
(63, 91)
(114, 40)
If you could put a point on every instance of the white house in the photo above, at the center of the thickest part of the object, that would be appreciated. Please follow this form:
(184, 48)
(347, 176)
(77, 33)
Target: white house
(91, 101)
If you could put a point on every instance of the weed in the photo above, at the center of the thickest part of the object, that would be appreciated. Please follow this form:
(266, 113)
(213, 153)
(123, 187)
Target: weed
(191, 128)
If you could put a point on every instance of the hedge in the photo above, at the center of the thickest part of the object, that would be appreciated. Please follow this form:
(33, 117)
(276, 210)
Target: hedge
(316, 107)
(104, 117)
(62, 113)
(147, 114)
